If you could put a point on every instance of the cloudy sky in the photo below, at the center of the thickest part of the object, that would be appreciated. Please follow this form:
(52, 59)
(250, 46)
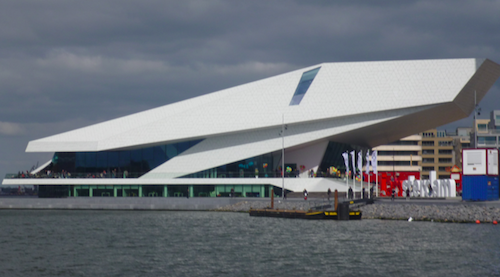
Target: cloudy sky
(68, 64)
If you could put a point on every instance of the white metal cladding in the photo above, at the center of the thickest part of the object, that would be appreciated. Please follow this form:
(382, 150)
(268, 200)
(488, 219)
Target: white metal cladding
(224, 149)
(338, 91)
(364, 103)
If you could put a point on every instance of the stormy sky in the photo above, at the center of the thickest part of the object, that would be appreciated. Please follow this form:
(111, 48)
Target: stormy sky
(68, 64)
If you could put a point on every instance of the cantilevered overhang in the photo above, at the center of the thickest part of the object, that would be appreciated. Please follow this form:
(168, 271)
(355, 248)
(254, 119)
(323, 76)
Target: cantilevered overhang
(430, 117)
(436, 91)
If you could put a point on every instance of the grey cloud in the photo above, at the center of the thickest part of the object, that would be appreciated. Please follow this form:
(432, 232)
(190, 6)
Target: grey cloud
(67, 64)
(11, 129)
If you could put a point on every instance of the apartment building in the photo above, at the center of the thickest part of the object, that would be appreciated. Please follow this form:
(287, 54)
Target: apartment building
(437, 154)
(487, 132)
(400, 158)
(461, 140)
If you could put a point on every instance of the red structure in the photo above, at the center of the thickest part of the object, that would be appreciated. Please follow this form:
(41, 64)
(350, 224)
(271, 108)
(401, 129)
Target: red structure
(391, 180)
(456, 174)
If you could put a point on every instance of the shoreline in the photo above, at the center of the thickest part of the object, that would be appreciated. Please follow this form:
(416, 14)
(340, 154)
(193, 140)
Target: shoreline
(436, 210)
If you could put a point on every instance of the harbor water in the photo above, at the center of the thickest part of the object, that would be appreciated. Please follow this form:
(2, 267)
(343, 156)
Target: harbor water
(167, 243)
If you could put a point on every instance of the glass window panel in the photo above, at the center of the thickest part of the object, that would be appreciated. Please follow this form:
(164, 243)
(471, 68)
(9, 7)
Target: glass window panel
(183, 146)
(102, 160)
(303, 86)
(113, 159)
(135, 161)
(490, 140)
(158, 157)
(124, 159)
(147, 157)
(136, 155)
(90, 160)
(171, 151)
(80, 164)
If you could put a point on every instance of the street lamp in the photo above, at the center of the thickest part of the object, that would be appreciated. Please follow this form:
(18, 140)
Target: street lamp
(282, 134)
(477, 111)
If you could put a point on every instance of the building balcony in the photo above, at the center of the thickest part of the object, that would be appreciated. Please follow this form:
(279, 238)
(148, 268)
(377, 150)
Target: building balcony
(398, 148)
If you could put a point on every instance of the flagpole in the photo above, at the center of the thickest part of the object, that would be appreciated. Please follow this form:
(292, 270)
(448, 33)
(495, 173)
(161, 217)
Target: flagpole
(347, 184)
(345, 155)
(369, 183)
(361, 175)
(353, 157)
(375, 170)
(353, 183)
(283, 157)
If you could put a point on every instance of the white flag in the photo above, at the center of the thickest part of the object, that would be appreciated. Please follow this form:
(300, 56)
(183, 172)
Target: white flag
(360, 162)
(374, 161)
(367, 169)
(346, 161)
(353, 162)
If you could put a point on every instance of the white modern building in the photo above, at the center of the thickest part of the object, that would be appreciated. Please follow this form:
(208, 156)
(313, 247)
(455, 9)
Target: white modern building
(233, 139)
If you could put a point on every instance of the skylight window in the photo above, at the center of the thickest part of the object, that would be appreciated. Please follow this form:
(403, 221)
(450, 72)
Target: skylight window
(304, 83)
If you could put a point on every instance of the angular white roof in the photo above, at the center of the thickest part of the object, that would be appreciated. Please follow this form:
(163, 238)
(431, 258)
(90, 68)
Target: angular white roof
(339, 91)
(363, 103)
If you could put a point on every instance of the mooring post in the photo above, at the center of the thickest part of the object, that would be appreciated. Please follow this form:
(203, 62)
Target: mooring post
(336, 199)
(272, 199)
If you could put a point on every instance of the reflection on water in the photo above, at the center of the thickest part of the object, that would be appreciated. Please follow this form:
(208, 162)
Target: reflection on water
(158, 243)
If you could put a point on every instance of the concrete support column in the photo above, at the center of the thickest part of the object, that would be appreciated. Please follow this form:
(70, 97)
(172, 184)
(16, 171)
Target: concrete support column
(140, 191)
(91, 191)
(191, 192)
(115, 192)
(262, 191)
(243, 190)
(123, 192)
(75, 192)
(270, 191)
(165, 191)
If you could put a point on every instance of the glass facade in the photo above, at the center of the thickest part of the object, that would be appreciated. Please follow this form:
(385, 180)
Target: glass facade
(116, 164)
(333, 157)
(48, 191)
(304, 84)
(269, 165)
(264, 166)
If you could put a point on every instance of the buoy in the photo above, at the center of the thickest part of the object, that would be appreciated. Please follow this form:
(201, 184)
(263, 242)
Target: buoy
(495, 222)
(477, 221)
(410, 219)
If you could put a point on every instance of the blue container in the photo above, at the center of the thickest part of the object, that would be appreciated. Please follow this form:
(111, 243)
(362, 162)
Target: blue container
(480, 188)
(493, 185)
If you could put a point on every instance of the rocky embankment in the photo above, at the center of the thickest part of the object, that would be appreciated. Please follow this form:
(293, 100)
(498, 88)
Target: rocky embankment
(441, 213)
(460, 213)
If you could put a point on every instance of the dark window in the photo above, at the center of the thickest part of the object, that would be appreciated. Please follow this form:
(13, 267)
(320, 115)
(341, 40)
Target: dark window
(404, 142)
(445, 143)
(445, 160)
(428, 143)
(397, 153)
(303, 86)
(136, 162)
